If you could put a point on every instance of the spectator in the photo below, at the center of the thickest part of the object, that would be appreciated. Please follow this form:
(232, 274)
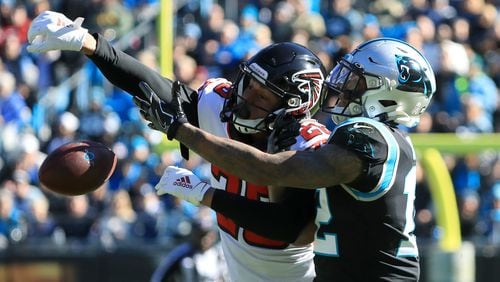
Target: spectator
(282, 20)
(495, 215)
(200, 258)
(114, 19)
(25, 193)
(40, 223)
(12, 223)
(78, 221)
(343, 19)
(151, 214)
(115, 226)
(307, 20)
(21, 66)
(468, 206)
(65, 131)
(13, 107)
(230, 51)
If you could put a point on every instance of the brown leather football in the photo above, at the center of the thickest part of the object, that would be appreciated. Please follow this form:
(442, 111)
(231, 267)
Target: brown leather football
(77, 168)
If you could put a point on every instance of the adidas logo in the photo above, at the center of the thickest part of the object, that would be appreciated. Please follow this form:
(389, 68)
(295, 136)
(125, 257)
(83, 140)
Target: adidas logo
(183, 182)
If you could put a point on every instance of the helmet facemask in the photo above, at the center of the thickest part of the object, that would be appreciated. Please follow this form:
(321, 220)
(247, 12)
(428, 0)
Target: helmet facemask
(292, 103)
(352, 82)
(236, 107)
(383, 79)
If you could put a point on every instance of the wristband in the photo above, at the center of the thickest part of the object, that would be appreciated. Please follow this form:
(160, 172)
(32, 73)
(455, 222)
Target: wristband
(172, 129)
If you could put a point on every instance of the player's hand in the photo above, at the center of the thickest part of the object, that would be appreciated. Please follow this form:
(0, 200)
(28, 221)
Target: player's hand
(285, 129)
(183, 184)
(161, 116)
(54, 31)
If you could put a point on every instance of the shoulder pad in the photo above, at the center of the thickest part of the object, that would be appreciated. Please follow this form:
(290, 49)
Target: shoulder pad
(361, 135)
(220, 86)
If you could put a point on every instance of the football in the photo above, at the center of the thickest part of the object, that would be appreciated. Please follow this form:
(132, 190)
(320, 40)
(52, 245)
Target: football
(77, 168)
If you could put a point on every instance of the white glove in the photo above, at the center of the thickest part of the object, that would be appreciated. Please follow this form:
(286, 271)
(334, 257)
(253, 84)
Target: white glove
(54, 31)
(183, 184)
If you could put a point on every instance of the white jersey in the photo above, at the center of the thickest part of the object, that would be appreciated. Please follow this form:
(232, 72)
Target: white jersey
(251, 257)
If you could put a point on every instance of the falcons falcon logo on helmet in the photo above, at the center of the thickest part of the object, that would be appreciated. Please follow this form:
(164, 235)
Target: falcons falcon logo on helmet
(310, 83)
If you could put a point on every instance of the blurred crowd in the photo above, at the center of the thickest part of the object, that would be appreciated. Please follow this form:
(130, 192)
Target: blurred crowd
(42, 107)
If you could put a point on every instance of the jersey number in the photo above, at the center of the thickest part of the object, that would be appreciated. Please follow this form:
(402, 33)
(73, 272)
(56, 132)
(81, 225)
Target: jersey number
(253, 192)
(222, 87)
(311, 130)
(325, 243)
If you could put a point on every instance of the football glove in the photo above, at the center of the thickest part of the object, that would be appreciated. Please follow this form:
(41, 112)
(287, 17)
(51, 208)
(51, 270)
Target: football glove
(54, 31)
(183, 184)
(161, 116)
(285, 129)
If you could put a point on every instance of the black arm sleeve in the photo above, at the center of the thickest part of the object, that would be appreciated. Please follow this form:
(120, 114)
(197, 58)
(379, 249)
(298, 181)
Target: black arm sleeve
(278, 221)
(125, 72)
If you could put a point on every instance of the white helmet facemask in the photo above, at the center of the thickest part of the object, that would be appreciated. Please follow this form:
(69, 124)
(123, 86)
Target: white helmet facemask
(340, 113)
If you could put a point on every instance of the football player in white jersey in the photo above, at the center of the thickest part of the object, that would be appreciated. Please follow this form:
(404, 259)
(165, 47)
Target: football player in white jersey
(282, 81)
(365, 212)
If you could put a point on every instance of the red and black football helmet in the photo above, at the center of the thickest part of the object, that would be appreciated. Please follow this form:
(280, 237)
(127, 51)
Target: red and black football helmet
(290, 71)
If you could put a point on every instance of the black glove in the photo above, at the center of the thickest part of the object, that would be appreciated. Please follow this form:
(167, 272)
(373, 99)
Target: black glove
(162, 116)
(285, 129)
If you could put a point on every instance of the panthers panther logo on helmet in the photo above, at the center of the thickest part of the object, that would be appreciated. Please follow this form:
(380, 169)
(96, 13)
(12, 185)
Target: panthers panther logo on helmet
(412, 77)
(384, 79)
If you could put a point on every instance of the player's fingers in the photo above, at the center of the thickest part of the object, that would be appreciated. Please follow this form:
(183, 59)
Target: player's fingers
(38, 47)
(176, 86)
(48, 21)
(144, 115)
(78, 22)
(33, 32)
(36, 29)
(32, 49)
(52, 28)
(169, 174)
(137, 101)
(285, 144)
(172, 169)
(142, 104)
(152, 126)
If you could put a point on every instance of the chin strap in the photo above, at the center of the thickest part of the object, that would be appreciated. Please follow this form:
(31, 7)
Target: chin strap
(248, 126)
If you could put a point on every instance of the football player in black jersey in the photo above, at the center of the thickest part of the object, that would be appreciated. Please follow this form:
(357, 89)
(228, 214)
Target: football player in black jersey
(365, 212)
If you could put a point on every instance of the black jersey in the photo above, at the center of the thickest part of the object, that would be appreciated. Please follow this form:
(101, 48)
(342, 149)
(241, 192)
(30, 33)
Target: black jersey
(366, 227)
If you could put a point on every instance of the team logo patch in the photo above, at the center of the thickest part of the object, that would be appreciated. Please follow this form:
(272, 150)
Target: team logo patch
(412, 76)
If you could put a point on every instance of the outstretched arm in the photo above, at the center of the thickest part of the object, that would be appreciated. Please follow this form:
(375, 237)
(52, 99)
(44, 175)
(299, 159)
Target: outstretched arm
(327, 166)
(54, 31)
(324, 167)
(126, 72)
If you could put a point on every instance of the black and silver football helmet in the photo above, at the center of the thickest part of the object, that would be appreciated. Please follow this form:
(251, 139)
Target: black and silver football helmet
(290, 71)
